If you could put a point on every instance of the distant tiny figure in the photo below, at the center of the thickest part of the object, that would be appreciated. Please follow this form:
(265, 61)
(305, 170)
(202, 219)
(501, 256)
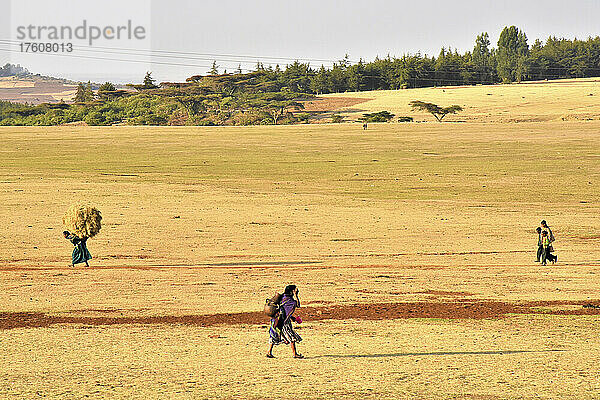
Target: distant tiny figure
(281, 330)
(80, 252)
(540, 248)
(365, 125)
(546, 254)
(545, 226)
(551, 238)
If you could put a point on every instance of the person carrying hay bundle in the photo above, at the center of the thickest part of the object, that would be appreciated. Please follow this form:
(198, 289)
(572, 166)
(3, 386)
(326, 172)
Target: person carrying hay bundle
(83, 222)
(81, 253)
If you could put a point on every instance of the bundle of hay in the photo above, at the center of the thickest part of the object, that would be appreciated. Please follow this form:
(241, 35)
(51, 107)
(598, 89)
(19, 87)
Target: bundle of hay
(83, 220)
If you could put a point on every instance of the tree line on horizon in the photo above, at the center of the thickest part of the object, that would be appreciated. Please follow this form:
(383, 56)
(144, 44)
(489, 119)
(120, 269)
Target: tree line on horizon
(513, 60)
(271, 95)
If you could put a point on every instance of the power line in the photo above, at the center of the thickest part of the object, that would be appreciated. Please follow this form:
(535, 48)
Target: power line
(153, 52)
(118, 59)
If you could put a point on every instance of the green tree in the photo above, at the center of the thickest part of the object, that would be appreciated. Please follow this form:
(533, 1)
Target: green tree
(512, 55)
(276, 104)
(337, 118)
(482, 58)
(319, 82)
(214, 70)
(107, 87)
(106, 91)
(355, 76)
(149, 82)
(297, 77)
(84, 93)
(80, 94)
(89, 92)
(438, 112)
(381, 116)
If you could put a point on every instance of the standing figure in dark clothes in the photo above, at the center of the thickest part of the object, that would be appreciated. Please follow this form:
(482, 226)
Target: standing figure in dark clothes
(551, 239)
(365, 126)
(550, 234)
(546, 243)
(540, 248)
(80, 252)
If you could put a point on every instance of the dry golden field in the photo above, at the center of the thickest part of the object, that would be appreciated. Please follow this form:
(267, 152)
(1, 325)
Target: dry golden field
(412, 244)
(559, 100)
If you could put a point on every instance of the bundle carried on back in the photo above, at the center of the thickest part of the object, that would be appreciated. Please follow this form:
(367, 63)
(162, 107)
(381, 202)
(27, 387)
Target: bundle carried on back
(83, 220)
(272, 305)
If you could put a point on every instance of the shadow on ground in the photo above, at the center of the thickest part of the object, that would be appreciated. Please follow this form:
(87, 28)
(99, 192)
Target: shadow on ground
(436, 353)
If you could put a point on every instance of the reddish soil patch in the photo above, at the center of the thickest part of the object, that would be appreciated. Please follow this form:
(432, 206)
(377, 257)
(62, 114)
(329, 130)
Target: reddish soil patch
(322, 104)
(460, 309)
(444, 293)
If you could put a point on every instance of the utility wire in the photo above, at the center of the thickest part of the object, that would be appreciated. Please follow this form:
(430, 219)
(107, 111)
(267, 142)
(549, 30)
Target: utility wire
(251, 58)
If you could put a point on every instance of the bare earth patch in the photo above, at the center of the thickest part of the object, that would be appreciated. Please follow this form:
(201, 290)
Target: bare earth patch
(332, 103)
(459, 309)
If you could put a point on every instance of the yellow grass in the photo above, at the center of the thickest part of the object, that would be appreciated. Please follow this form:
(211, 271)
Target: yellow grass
(215, 220)
(66, 95)
(568, 99)
(12, 82)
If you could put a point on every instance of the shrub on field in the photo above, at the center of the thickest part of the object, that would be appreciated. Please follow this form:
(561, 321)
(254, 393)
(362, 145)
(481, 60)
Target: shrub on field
(381, 116)
(337, 119)
(303, 118)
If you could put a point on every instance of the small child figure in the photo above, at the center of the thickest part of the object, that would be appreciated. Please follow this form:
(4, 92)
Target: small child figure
(540, 248)
(546, 255)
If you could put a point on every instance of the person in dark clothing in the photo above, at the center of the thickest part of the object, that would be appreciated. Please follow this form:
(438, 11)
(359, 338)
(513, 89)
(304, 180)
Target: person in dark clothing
(550, 234)
(540, 248)
(80, 252)
(551, 239)
(281, 330)
(546, 255)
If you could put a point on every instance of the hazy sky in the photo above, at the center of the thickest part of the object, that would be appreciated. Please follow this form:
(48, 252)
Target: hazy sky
(319, 30)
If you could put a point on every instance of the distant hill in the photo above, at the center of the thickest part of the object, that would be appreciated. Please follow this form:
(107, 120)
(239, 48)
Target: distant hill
(18, 85)
(36, 89)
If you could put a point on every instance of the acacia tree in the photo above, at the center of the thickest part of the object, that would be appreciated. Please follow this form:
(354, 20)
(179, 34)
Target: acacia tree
(278, 108)
(438, 112)
(276, 104)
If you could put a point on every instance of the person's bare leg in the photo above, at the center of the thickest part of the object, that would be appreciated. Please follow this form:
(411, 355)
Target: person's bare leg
(296, 354)
(270, 352)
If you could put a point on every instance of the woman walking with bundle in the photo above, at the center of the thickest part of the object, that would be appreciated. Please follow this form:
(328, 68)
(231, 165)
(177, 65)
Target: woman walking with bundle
(85, 222)
(281, 330)
(80, 252)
